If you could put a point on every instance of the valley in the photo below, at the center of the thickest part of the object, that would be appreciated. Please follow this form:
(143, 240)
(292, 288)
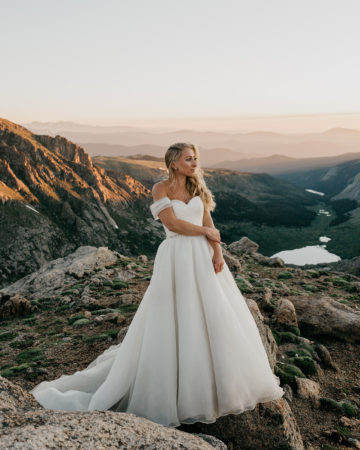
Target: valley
(55, 197)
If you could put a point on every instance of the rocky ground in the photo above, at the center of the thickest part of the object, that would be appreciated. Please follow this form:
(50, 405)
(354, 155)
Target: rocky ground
(62, 318)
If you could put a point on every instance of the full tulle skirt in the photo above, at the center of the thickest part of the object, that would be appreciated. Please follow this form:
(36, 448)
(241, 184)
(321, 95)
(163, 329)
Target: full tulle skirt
(192, 352)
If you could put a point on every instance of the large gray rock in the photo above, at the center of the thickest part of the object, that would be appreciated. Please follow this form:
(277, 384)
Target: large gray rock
(324, 316)
(276, 262)
(24, 424)
(271, 425)
(244, 245)
(52, 276)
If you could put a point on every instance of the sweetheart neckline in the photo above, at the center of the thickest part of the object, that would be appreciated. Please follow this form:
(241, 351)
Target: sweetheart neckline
(176, 200)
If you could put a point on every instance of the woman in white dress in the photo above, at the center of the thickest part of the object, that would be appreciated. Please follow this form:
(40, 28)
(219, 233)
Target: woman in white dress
(193, 351)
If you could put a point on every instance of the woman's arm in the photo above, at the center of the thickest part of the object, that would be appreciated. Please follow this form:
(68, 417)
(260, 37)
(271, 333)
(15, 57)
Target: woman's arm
(217, 258)
(208, 222)
(180, 226)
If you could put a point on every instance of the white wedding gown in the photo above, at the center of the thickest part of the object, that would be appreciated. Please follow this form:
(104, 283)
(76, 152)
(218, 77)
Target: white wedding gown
(192, 352)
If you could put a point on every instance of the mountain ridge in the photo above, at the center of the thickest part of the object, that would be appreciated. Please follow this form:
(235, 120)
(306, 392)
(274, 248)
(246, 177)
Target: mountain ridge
(53, 198)
(260, 143)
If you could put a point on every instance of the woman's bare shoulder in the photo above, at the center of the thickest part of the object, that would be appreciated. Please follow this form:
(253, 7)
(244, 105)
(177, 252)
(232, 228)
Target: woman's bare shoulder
(159, 190)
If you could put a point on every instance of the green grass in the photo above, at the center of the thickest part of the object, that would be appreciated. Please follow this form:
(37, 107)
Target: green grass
(101, 337)
(33, 354)
(7, 336)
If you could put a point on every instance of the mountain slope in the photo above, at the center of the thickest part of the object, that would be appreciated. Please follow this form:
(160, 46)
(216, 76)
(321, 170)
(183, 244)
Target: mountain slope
(341, 185)
(53, 199)
(246, 203)
(331, 179)
(239, 195)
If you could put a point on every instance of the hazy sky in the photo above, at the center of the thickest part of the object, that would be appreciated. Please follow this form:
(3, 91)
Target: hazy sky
(111, 62)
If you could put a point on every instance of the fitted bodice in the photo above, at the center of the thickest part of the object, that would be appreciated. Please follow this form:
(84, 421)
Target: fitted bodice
(191, 212)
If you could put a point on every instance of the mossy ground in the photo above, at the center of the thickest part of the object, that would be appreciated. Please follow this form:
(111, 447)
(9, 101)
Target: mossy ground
(58, 338)
(46, 344)
(296, 358)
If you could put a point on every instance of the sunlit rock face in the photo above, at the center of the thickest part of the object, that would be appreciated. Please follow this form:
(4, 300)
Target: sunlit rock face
(53, 199)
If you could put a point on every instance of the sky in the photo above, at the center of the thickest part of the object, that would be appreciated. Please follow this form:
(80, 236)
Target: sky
(130, 62)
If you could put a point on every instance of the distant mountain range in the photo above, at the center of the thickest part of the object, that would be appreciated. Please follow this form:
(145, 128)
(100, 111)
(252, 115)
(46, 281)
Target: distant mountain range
(280, 164)
(207, 157)
(99, 140)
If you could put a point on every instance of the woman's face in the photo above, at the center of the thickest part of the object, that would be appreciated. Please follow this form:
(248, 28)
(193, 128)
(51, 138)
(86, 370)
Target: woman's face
(187, 163)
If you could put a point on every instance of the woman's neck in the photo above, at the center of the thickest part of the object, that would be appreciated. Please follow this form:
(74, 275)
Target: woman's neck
(181, 182)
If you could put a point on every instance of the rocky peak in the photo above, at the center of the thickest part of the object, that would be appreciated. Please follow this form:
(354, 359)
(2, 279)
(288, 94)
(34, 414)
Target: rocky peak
(66, 149)
(53, 198)
(47, 165)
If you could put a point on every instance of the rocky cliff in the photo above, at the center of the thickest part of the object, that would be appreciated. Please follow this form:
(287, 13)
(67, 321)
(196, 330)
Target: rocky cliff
(53, 199)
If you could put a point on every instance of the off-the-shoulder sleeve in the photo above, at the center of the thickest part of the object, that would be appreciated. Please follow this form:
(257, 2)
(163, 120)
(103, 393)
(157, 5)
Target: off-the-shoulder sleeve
(159, 205)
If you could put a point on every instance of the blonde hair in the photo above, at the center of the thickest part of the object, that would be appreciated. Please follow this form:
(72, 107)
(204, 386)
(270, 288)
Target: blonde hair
(195, 185)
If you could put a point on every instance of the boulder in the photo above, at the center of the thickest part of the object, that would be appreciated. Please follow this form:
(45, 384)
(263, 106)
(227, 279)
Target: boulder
(54, 275)
(349, 422)
(261, 259)
(285, 313)
(129, 299)
(267, 294)
(142, 259)
(325, 357)
(324, 316)
(276, 262)
(15, 306)
(244, 245)
(307, 388)
(25, 424)
(271, 425)
(88, 258)
(263, 298)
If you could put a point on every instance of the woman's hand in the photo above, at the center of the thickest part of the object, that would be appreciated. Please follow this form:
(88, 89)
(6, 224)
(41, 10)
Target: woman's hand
(213, 234)
(218, 261)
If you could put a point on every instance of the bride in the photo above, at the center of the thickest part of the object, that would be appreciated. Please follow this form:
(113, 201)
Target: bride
(193, 351)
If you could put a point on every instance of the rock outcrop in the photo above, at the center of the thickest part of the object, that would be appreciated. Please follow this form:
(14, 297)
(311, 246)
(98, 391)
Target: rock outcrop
(324, 316)
(351, 265)
(25, 424)
(267, 337)
(244, 245)
(270, 426)
(54, 275)
(15, 306)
